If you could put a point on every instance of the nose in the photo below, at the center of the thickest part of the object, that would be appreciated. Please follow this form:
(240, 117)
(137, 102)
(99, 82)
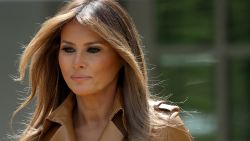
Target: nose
(79, 61)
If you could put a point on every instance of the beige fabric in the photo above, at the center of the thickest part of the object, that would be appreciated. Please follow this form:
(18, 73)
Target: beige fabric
(59, 125)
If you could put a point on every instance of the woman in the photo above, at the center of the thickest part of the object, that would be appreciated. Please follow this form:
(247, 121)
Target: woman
(88, 73)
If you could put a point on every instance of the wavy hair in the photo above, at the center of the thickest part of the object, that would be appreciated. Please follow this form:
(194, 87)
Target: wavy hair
(113, 24)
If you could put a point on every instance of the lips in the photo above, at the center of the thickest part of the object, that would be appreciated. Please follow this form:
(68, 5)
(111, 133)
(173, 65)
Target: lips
(80, 77)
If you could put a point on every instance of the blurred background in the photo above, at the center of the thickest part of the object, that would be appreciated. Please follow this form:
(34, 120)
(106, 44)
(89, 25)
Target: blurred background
(198, 53)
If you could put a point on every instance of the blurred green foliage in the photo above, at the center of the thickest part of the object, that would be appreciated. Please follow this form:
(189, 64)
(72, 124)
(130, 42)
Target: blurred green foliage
(185, 21)
(191, 83)
(239, 21)
(239, 98)
(193, 22)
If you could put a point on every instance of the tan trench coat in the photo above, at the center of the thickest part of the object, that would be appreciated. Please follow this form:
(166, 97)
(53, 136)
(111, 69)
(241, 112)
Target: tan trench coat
(59, 127)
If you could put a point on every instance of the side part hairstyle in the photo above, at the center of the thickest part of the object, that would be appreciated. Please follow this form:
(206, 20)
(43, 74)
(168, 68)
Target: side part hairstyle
(112, 23)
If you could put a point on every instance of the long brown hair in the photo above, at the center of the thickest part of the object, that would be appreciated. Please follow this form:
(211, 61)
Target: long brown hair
(112, 23)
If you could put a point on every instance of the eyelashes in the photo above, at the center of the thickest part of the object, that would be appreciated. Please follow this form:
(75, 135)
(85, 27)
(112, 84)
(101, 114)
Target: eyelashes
(92, 50)
(68, 49)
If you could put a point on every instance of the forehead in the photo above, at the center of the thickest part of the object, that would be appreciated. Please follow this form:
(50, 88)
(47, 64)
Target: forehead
(73, 30)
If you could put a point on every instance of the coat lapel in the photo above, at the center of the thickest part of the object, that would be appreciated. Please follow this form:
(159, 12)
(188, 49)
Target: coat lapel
(111, 133)
(62, 117)
(64, 131)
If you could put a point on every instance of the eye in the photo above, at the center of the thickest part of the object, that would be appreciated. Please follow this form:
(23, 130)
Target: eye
(68, 49)
(93, 49)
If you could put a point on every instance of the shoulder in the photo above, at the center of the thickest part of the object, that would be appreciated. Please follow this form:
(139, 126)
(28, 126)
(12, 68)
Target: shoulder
(173, 127)
(167, 112)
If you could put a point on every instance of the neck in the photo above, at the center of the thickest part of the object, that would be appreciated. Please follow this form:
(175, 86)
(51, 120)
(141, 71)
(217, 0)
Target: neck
(94, 109)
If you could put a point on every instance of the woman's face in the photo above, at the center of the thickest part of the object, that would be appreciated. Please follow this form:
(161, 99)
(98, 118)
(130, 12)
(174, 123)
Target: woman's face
(88, 63)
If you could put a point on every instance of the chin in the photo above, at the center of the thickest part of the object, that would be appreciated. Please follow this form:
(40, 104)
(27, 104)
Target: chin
(82, 92)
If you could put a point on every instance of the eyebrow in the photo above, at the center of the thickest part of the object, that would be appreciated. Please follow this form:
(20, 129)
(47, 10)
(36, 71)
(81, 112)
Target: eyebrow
(88, 43)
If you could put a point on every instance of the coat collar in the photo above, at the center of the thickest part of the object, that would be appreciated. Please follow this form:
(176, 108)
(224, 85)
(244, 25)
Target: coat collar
(63, 116)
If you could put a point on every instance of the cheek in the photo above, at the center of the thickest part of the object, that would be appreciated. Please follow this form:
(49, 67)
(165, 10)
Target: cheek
(64, 62)
(108, 68)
